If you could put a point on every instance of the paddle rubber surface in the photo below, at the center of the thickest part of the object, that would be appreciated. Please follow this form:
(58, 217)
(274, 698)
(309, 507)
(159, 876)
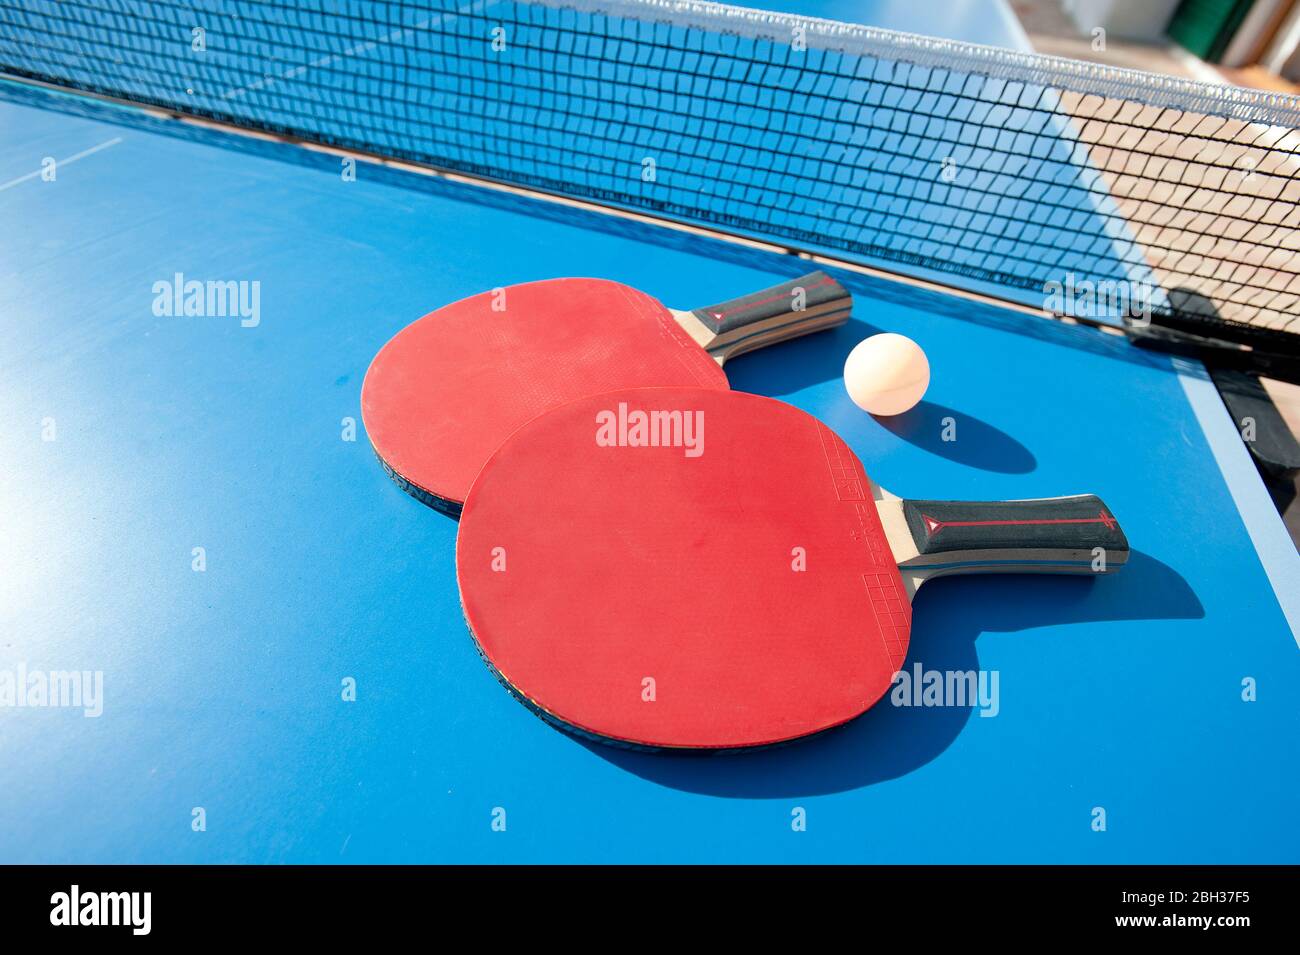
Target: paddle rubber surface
(729, 587)
(445, 391)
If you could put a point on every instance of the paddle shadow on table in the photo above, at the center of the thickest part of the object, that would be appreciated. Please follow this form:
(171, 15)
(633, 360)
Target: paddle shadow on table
(890, 741)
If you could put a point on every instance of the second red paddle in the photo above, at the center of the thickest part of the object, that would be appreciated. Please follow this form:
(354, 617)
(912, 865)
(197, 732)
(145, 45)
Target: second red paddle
(448, 389)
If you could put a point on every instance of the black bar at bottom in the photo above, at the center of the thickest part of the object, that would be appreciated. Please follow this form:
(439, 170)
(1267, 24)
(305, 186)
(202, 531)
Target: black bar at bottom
(335, 903)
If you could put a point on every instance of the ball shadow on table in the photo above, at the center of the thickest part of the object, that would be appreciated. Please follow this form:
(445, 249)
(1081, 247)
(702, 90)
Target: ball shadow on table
(793, 366)
(981, 446)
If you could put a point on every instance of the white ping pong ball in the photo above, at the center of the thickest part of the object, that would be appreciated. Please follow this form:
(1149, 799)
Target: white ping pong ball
(886, 374)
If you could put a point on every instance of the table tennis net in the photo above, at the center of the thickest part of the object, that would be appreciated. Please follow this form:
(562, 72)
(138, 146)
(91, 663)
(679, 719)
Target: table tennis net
(1087, 190)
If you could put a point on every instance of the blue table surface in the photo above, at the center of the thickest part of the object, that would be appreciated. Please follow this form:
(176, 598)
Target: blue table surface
(222, 688)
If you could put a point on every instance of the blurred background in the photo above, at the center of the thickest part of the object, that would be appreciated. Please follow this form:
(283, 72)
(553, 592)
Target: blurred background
(1244, 42)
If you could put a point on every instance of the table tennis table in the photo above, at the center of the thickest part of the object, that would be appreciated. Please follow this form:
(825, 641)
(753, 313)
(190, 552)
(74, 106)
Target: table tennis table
(191, 507)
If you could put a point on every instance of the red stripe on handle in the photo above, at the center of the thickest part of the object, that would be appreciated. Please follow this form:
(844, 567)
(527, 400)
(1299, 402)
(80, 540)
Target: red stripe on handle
(763, 301)
(932, 526)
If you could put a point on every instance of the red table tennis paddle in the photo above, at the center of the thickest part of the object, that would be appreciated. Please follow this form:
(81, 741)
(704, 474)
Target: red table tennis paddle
(444, 393)
(694, 568)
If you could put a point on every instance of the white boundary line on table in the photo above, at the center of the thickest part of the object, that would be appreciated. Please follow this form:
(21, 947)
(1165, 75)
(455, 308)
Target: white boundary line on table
(1277, 552)
(61, 162)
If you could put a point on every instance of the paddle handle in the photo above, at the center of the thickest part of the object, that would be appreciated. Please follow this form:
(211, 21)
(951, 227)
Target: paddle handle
(1065, 535)
(807, 304)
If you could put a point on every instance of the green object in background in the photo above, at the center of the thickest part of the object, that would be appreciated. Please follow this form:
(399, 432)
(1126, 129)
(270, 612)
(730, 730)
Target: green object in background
(1205, 27)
